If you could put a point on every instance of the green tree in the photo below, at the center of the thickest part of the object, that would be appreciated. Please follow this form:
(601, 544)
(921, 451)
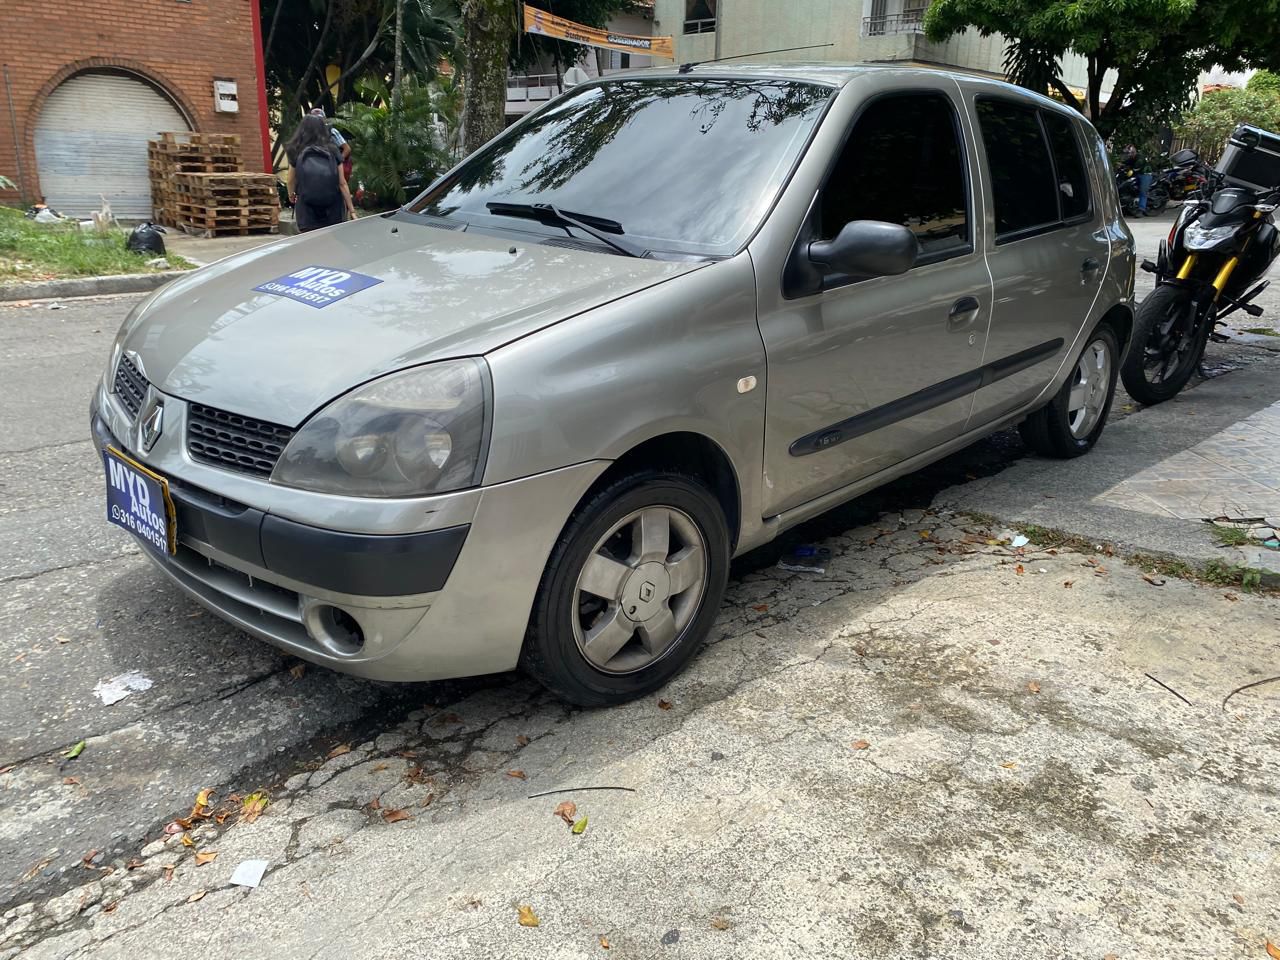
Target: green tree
(1264, 81)
(395, 144)
(303, 37)
(1220, 112)
(1156, 48)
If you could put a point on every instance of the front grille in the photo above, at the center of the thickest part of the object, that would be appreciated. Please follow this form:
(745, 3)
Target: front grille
(235, 442)
(130, 385)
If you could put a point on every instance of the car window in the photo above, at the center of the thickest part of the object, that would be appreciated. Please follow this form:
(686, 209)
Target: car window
(685, 165)
(902, 163)
(1073, 183)
(1021, 170)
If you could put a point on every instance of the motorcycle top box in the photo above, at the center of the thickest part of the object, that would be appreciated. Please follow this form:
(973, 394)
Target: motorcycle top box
(1252, 158)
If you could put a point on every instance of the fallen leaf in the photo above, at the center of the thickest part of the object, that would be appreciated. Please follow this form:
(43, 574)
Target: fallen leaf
(375, 804)
(134, 864)
(74, 751)
(994, 641)
(528, 918)
(173, 829)
(427, 800)
(567, 811)
(1052, 553)
(206, 856)
(14, 766)
(604, 942)
(110, 907)
(297, 670)
(187, 841)
(926, 534)
(1233, 597)
(518, 774)
(1238, 899)
(203, 797)
(1273, 951)
(338, 751)
(198, 895)
(1033, 687)
(252, 806)
(1009, 765)
(522, 741)
(87, 859)
(719, 923)
(760, 607)
(63, 639)
(664, 704)
(1153, 580)
(1067, 583)
(395, 816)
(861, 744)
(1019, 570)
(66, 781)
(580, 827)
(168, 873)
(378, 768)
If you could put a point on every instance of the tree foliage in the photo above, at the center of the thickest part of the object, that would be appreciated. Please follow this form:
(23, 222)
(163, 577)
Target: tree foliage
(1156, 48)
(1264, 81)
(1220, 112)
(396, 146)
(303, 37)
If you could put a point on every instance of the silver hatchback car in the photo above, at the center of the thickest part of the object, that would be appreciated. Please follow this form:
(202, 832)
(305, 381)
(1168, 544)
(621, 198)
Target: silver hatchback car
(528, 419)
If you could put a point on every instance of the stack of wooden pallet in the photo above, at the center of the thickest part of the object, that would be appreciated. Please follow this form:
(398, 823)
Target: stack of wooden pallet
(198, 183)
(226, 204)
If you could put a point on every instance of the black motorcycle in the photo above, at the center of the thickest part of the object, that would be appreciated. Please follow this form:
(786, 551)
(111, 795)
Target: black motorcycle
(1208, 268)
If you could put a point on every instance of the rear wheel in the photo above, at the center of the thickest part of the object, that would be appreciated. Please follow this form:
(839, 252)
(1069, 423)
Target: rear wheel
(1074, 419)
(1167, 345)
(1157, 199)
(630, 591)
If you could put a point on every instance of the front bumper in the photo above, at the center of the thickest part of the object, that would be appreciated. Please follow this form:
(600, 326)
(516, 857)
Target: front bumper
(448, 595)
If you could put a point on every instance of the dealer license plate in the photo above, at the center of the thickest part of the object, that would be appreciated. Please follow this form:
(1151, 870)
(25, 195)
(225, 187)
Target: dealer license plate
(138, 500)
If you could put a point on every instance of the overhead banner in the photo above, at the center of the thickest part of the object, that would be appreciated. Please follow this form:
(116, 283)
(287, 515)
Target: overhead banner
(558, 28)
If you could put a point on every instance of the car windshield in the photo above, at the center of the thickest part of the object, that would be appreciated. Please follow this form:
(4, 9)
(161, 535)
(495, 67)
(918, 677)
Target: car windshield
(685, 165)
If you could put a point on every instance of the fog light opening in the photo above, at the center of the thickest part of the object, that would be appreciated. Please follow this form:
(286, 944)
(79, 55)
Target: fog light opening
(337, 630)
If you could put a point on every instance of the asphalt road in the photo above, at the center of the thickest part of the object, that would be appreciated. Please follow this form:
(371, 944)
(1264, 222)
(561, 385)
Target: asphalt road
(81, 607)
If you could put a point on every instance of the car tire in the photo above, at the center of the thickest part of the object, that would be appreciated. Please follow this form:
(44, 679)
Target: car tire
(1070, 424)
(616, 617)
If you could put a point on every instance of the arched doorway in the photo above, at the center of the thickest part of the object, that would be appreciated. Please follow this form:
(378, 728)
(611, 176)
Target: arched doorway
(91, 140)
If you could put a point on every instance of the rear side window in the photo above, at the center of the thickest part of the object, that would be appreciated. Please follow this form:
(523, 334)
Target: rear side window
(1021, 171)
(1073, 183)
(903, 164)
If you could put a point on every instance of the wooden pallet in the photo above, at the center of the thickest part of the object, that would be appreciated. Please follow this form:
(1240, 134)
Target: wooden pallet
(191, 138)
(179, 155)
(228, 230)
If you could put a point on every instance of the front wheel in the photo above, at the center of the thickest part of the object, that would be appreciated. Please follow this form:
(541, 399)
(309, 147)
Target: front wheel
(1166, 347)
(630, 591)
(1157, 199)
(1073, 420)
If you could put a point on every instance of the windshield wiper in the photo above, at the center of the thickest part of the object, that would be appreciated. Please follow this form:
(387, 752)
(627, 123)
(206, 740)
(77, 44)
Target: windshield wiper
(598, 227)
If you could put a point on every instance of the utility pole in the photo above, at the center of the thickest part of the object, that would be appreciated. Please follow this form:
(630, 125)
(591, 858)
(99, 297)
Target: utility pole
(719, 25)
(395, 94)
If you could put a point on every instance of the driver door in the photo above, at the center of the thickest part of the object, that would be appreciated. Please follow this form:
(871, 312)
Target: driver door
(864, 374)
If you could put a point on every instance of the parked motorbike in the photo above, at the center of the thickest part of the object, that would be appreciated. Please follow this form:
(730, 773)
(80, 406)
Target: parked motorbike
(1184, 176)
(1127, 188)
(1208, 268)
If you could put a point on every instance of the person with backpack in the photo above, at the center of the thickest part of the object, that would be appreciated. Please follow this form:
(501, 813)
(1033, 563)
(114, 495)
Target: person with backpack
(317, 183)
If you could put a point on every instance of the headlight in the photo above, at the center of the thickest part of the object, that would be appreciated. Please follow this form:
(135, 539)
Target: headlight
(1201, 238)
(411, 433)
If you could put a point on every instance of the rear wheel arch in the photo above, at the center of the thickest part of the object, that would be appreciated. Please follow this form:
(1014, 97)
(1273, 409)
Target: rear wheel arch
(1120, 319)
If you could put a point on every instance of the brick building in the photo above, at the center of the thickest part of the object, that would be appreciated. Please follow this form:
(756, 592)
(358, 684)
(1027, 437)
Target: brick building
(84, 84)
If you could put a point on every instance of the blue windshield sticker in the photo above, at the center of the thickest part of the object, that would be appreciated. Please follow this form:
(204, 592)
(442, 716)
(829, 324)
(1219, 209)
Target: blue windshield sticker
(318, 286)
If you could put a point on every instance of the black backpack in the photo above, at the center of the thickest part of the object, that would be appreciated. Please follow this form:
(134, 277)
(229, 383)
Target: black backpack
(317, 177)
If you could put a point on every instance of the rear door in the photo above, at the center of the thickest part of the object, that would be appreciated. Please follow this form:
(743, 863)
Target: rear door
(1048, 249)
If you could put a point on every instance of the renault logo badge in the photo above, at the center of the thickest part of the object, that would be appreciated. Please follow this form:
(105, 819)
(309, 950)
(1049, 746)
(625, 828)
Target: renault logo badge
(152, 424)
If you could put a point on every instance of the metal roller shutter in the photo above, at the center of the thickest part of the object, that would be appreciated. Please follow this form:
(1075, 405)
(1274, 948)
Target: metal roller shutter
(91, 139)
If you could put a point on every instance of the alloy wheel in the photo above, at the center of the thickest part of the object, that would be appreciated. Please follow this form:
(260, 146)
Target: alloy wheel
(1089, 389)
(639, 589)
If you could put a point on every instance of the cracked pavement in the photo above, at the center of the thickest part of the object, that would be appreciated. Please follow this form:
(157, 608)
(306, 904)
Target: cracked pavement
(1025, 789)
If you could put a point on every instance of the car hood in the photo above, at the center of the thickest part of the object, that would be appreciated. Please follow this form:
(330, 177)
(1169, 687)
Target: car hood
(212, 338)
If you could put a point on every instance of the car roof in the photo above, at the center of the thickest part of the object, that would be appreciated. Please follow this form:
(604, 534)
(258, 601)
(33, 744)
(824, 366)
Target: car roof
(834, 75)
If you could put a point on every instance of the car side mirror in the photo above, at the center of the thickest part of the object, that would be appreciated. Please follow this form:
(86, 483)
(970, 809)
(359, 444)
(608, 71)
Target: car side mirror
(867, 248)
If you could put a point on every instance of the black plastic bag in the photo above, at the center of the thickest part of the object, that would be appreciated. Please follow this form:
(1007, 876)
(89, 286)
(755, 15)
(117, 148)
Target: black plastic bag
(146, 238)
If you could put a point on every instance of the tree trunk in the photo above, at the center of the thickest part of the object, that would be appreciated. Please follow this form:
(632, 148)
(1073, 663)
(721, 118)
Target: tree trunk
(395, 97)
(488, 26)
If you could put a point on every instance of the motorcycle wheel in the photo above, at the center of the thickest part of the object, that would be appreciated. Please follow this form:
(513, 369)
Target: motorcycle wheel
(1157, 199)
(1166, 347)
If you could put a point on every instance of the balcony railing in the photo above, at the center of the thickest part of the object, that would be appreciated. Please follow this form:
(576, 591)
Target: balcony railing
(700, 26)
(910, 21)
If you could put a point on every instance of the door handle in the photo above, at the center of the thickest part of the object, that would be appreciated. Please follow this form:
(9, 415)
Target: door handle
(963, 312)
(1089, 270)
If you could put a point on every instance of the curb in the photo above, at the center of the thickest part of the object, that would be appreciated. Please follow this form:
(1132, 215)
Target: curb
(87, 286)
